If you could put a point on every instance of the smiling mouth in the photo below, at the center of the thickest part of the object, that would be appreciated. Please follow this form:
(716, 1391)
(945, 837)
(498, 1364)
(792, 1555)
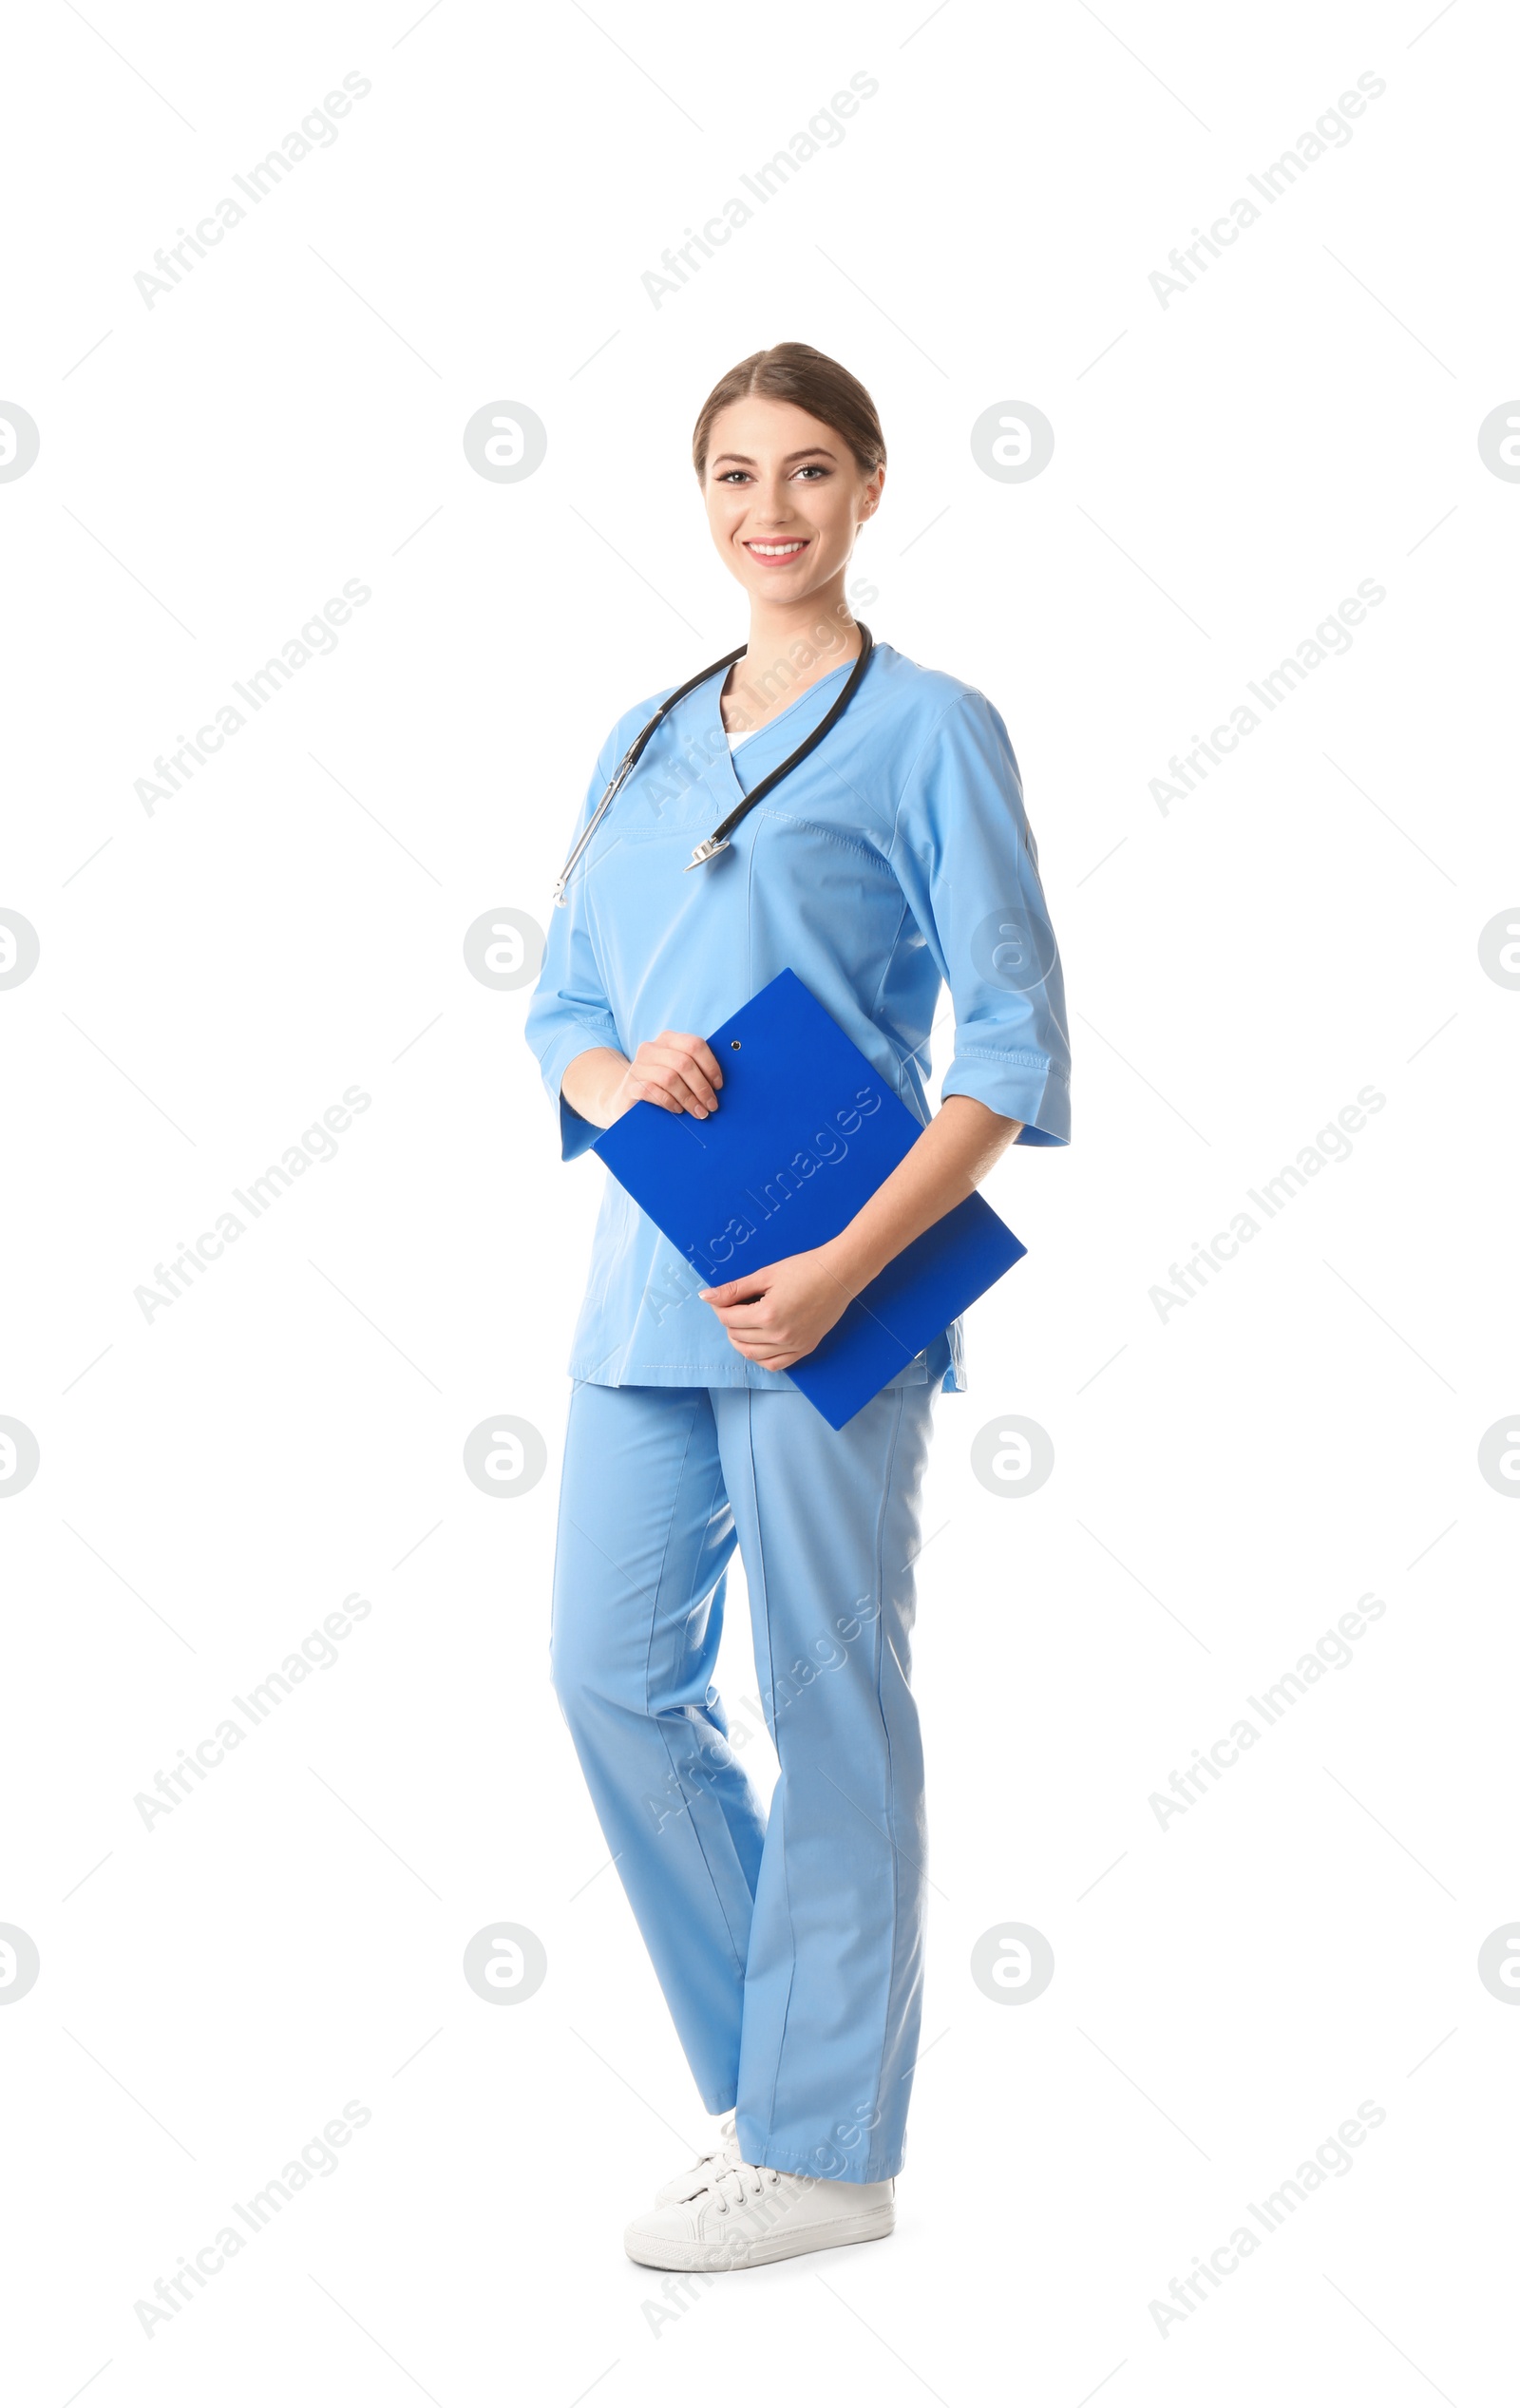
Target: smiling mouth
(790, 548)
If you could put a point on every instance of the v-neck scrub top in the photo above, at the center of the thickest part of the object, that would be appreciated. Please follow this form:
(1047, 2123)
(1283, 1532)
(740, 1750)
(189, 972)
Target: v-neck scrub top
(895, 860)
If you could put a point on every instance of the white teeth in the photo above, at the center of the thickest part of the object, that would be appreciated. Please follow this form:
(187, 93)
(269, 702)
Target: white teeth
(774, 551)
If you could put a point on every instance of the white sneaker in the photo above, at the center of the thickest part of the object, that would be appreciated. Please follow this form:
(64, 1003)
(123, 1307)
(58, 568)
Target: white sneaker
(752, 2215)
(669, 2195)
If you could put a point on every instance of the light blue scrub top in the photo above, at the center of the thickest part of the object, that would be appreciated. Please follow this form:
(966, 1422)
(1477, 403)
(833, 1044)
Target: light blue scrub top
(895, 859)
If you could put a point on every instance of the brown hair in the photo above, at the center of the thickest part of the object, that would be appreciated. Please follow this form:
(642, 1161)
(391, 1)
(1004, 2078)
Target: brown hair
(795, 372)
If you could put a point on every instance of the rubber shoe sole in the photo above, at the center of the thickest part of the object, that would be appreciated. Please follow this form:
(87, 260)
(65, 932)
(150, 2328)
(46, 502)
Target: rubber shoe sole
(762, 2249)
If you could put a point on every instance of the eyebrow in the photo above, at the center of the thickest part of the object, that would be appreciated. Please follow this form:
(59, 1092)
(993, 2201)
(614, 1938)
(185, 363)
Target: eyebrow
(810, 452)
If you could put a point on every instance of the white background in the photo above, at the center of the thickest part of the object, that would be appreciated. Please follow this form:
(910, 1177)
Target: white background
(1228, 1482)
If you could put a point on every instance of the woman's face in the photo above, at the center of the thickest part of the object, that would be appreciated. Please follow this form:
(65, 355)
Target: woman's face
(785, 496)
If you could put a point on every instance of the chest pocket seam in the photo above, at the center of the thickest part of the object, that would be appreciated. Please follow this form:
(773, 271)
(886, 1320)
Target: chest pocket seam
(676, 818)
(673, 814)
(832, 835)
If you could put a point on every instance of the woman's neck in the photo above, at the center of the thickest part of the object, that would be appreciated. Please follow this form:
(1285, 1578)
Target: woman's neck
(792, 645)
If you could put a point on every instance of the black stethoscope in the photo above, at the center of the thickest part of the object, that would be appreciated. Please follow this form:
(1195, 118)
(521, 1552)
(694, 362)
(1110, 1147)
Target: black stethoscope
(717, 841)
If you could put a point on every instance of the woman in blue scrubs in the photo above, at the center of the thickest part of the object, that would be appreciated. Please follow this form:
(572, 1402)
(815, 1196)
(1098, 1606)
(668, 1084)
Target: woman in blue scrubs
(891, 862)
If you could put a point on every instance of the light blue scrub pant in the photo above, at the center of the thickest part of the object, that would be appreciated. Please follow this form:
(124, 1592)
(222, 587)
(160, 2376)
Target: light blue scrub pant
(791, 1947)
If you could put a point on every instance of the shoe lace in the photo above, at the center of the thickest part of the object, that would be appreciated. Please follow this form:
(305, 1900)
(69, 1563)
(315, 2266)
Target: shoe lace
(728, 2147)
(731, 2185)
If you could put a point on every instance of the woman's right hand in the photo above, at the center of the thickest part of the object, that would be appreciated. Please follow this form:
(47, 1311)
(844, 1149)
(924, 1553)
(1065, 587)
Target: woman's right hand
(676, 1071)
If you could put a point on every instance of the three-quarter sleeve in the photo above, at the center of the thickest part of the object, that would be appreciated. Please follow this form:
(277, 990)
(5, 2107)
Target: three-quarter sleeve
(965, 860)
(570, 1013)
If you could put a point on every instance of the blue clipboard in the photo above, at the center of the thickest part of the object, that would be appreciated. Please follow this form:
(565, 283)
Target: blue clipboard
(805, 1133)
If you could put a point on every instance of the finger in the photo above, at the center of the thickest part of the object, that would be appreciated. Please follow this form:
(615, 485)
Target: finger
(749, 1286)
(754, 1328)
(681, 1077)
(733, 1296)
(707, 1061)
(699, 1050)
(739, 1297)
(691, 1073)
(693, 1060)
(666, 1086)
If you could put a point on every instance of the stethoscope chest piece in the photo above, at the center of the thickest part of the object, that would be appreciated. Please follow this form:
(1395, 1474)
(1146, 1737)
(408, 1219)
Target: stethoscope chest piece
(709, 847)
(718, 842)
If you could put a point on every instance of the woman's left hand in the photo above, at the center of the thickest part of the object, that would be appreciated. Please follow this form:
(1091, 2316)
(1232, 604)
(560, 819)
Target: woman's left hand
(777, 1315)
